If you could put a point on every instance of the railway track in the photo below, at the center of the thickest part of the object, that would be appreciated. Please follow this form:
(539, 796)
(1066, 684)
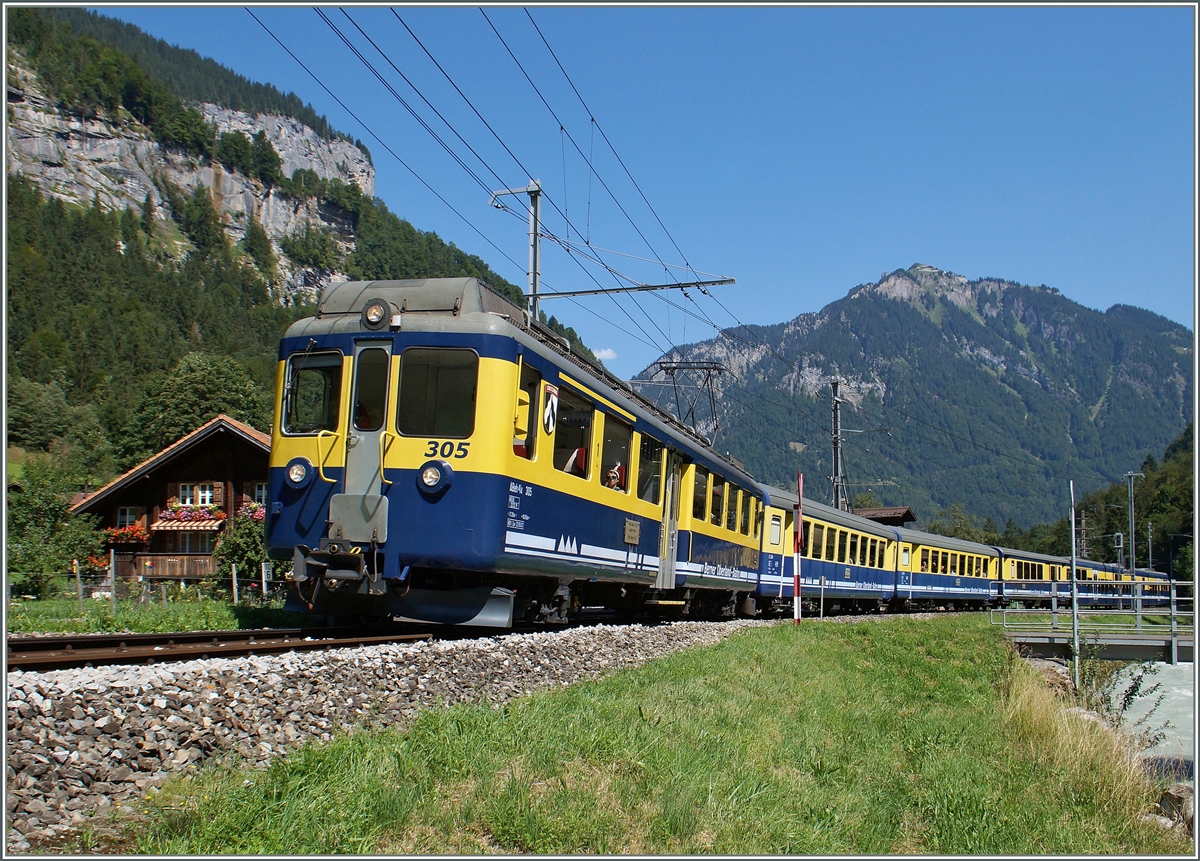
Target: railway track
(56, 652)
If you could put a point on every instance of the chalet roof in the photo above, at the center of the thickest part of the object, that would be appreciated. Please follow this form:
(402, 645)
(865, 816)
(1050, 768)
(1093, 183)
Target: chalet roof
(896, 516)
(220, 424)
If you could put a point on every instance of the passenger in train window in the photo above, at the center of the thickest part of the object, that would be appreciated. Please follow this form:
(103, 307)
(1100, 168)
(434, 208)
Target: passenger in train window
(924, 560)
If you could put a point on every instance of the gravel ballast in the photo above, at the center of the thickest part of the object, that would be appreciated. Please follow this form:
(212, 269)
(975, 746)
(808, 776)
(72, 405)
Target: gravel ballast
(82, 743)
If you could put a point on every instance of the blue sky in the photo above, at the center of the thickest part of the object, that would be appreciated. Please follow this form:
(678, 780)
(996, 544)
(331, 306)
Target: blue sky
(800, 150)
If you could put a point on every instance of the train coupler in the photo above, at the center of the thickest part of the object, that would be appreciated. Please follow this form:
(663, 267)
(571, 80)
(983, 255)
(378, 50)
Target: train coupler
(335, 563)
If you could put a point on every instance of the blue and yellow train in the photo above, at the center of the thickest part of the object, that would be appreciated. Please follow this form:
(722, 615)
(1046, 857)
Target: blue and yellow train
(439, 456)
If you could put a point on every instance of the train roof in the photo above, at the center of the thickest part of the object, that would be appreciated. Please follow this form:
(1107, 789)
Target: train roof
(945, 542)
(426, 303)
(781, 498)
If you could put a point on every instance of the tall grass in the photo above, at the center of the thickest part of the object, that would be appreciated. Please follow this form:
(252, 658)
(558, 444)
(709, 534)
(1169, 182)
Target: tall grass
(901, 736)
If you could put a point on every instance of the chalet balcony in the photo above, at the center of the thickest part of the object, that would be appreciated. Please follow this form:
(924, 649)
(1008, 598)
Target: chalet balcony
(165, 566)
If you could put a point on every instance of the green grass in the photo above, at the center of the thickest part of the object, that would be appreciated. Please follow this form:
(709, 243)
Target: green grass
(895, 737)
(62, 615)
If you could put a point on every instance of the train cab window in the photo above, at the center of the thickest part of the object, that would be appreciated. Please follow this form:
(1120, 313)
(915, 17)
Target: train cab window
(776, 534)
(731, 510)
(370, 388)
(526, 418)
(925, 560)
(614, 456)
(437, 392)
(700, 494)
(572, 434)
(313, 394)
(830, 543)
(818, 540)
(841, 557)
(650, 469)
(747, 504)
(853, 558)
(718, 500)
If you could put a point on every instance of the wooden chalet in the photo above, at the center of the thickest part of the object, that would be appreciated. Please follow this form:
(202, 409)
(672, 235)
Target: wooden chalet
(163, 516)
(897, 516)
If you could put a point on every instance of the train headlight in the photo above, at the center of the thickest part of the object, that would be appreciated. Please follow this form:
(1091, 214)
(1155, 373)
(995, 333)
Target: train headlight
(375, 315)
(298, 472)
(434, 477)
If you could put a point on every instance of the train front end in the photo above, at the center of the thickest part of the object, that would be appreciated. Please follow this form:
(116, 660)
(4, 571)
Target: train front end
(380, 454)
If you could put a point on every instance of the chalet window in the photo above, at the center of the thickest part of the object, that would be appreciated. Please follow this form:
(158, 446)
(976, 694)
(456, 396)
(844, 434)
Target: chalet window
(195, 542)
(127, 515)
(196, 494)
(260, 492)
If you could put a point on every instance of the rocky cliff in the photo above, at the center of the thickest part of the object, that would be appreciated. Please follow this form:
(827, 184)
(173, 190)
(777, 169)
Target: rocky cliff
(80, 160)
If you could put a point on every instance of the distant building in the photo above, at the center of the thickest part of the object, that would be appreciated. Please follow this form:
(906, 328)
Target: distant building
(169, 510)
(888, 516)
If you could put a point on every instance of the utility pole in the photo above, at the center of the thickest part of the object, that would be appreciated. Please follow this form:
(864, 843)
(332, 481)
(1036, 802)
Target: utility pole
(1150, 544)
(1130, 476)
(840, 500)
(534, 190)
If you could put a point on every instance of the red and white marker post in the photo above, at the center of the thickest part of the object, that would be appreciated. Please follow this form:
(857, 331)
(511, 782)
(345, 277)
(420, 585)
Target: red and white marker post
(799, 532)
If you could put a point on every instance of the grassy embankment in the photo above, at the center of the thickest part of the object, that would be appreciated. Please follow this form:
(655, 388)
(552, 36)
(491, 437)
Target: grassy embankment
(901, 736)
(63, 616)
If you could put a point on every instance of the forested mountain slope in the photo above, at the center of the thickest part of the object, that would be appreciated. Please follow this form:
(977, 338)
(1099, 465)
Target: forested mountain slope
(995, 393)
(159, 247)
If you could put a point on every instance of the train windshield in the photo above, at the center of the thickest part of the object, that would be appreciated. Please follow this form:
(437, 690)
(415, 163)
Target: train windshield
(313, 394)
(437, 392)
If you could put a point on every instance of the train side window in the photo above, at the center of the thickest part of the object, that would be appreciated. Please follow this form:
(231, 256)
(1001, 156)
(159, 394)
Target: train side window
(953, 563)
(777, 529)
(572, 434)
(313, 395)
(925, 560)
(731, 510)
(370, 388)
(747, 504)
(830, 543)
(841, 557)
(718, 499)
(905, 557)
(437, 392)
(818, 540)
(874, 548)
(526, 418)
(853, 549)
(650, 469)
(700, 493)
(614, 457)
(804, 536)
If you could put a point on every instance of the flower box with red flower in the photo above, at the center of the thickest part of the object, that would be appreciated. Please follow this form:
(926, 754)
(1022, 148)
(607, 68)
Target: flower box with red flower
(132, 534)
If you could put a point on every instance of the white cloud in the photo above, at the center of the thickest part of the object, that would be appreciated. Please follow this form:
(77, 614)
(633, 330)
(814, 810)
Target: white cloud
(604, 354)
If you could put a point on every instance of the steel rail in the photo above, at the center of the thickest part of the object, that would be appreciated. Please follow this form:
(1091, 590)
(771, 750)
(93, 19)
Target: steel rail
(62, 652)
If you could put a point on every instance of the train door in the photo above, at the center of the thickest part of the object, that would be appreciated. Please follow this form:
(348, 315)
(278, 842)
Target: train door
(360, 512)
(669, 543)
